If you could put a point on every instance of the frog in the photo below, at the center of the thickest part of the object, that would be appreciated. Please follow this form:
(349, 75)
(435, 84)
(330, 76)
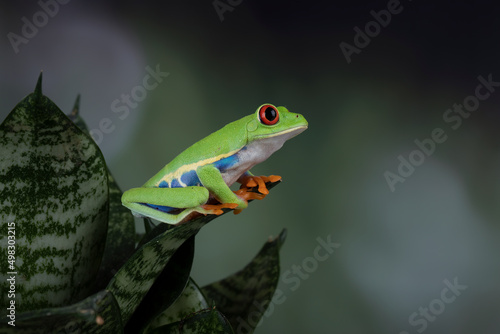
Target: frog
(198, 180)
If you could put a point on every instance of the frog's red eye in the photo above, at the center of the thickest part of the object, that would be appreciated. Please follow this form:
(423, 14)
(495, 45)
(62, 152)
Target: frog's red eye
(268, 114)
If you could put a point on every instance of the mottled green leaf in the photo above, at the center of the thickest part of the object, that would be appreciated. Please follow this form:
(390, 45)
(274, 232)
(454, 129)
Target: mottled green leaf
(208, 321)
(135, 278)
(96, 314)
(190, 301)
(120, 241)
(166, 289)
(244, 296)
(54, 189)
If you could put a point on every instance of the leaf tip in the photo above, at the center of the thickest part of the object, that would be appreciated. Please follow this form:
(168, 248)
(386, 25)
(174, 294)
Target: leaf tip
(280, 239)
(282, 236)
(38, 88)
(76, 106)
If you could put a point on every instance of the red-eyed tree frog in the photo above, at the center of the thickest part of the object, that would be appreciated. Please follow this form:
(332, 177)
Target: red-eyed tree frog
(205, 171)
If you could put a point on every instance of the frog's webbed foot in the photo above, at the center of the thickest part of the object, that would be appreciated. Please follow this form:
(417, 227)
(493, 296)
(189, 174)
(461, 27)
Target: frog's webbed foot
(249, 183)
(252, 181)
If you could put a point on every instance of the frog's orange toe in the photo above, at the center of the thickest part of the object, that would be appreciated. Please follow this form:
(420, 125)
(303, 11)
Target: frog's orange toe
(274, 178)
(260, 182)
(216, 209)
(246, 195)
(250, 183)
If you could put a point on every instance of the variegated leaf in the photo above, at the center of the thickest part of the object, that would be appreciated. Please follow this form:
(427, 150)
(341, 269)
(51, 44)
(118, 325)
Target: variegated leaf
(208, 321)
(189, 302)
(97, 314)
(244, 297)
(167, 288)
(54, 189)
(135, 278)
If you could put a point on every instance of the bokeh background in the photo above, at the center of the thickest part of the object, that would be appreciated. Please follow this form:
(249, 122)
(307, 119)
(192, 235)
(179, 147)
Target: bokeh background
(397, 248)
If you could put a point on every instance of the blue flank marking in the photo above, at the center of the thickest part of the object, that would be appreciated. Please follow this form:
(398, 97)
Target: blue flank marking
(191, 179)
(166, 209)
(175, 184)
(226, 163)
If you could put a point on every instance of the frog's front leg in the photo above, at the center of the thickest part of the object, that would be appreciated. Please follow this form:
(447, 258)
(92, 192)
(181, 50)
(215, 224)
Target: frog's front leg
(211, 178)
(141, 200)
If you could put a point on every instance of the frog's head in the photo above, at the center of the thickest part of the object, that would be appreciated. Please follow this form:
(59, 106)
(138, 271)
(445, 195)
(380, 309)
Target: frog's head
(274, 125)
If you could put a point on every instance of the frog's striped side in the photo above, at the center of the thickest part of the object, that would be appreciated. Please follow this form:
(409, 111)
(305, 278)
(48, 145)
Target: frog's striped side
(186, 176)
(212, 149)
(53, 187)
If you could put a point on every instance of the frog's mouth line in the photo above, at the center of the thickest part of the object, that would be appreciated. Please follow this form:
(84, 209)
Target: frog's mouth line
(296, 129)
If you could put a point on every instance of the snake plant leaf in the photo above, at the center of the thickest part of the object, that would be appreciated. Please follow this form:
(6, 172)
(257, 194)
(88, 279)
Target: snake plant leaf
(54, 190)
(208, 321)
(120, 243)
(189, 302)
(244, 296)
(167, 288)
(97, 314)
(132, 282)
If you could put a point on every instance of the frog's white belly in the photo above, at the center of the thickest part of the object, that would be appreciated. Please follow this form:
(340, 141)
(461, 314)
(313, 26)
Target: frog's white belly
(253, 154)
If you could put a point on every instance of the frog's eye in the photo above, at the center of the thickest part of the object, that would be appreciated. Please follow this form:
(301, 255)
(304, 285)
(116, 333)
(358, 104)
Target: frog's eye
(268, 114)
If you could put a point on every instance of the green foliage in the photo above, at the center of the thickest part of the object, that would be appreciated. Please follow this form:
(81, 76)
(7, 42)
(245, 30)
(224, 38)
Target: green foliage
(54, 187)
(76, 264)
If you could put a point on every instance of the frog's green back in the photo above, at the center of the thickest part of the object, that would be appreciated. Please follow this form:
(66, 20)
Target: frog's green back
(218, 145)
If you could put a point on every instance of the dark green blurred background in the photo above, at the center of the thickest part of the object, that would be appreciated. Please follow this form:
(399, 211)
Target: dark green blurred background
(399, 250)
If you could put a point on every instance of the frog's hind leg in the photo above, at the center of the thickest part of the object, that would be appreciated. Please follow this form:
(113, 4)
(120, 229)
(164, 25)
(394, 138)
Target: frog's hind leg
(163, 204)
(143, 210)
